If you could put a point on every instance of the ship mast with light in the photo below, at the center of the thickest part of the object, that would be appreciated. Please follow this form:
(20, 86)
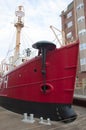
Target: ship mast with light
(19, 24)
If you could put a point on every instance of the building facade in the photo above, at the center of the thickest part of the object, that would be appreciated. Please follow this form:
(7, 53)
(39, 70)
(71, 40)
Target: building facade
(74, 25)
(68, 23)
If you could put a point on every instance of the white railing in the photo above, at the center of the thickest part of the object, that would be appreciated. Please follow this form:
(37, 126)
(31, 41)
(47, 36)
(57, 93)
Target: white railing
(80, 88)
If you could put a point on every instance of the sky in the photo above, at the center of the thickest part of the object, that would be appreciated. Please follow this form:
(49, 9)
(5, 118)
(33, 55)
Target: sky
(39, 15)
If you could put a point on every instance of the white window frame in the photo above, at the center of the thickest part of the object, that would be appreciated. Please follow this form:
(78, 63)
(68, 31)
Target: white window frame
(81, 19)
(83, 61)
(82, 32)
(82, 46)
(69, 35)
(69, 14)
(80, 6)
(70, 24)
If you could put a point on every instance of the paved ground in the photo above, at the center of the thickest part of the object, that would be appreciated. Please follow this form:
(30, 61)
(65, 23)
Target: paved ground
(13, 121)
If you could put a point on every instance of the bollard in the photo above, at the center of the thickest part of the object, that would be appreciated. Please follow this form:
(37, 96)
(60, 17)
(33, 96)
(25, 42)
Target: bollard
(48, 121)
(31, 118)
(41, 120)
(28, 119)
(25, 117)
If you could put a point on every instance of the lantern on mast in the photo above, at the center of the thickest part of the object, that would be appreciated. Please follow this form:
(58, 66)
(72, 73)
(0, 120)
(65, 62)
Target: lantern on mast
(19, 24)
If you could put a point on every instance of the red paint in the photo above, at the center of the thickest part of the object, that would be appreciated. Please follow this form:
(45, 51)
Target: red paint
(25, 81)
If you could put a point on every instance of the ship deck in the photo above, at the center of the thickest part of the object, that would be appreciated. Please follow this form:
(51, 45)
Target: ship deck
(13, 121)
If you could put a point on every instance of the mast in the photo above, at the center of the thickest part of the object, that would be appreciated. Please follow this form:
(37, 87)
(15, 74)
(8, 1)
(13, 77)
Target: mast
(19, 24)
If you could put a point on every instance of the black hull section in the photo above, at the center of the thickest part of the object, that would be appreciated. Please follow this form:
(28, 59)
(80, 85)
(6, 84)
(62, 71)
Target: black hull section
(46, 110)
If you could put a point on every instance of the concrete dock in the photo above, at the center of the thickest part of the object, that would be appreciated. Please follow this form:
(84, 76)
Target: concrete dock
(13, 121)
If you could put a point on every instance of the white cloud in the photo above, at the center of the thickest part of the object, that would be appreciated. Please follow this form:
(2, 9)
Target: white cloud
(39, 15)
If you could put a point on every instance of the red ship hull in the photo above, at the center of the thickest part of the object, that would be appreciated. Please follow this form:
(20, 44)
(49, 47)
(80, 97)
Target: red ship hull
(22, 89)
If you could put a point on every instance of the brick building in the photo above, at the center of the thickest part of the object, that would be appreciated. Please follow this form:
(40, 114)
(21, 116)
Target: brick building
(74, 26)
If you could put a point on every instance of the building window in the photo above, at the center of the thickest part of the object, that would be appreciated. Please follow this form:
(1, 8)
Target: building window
(82, 32)
(81, 19)
(69, 14)
(80, 6)
(82, 46)
(83, 61)
(69, 35)
(70, 24)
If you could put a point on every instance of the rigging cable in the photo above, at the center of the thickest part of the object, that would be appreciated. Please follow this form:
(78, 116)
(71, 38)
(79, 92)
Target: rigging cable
(11, 36)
